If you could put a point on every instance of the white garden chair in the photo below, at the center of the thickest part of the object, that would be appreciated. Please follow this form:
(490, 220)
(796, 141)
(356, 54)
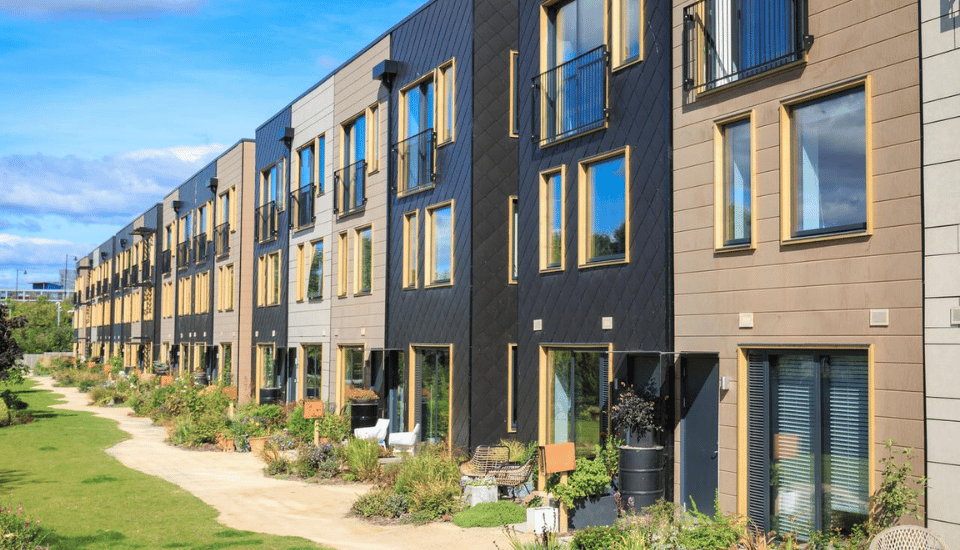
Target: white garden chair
(907, 537)
(405, 441)
(376, 433)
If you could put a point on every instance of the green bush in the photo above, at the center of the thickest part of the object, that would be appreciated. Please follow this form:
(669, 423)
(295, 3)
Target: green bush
(335, 427)
(17, 532)
(380, 503)
(431, 482)
(599, 538)
(312, 460)
(298, 426)
(491, 514)
(363, 458)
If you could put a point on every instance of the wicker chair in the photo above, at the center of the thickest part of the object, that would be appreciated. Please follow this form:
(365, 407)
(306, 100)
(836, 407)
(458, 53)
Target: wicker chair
(907, 537)
(485, 460)
(515, 475)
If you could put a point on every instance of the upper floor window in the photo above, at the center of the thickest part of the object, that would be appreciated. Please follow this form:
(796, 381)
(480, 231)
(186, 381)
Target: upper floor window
(727, 40)
(315, 276)
(828, 165)
(439, 244)
(410, 246)
(551, 220)
(514, 238)
(269, 185)
(604, 198)
(305, 159)
(572, 88)
(446, 104)
(373, 138)
(737, 176)
(628, 31)
(321, 163)
(364, 261)
(351, 179)
(514, 93)
(415, 151)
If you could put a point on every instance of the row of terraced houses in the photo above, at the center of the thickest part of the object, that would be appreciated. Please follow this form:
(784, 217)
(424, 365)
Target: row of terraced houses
(497, 211)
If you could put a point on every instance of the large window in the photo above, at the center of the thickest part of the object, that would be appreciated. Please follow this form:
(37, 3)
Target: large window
(315, 276)
(551, 220)
(415, 151)
(737, 182)
(572, 88)
(828, 165)
(351, 179)
(410, 246)
(270, 280)
(352, 361)
(439, 244)
(434, 404)
(728, 40)
(604, 198)
(808, 440)
(266, 215)
(313, 369)
(305, 157)
(577, 400)
(363, 268)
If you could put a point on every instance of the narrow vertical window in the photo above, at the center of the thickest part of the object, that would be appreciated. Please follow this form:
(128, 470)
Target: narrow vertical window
(514, 224)
(513, 384)
(410, 246)
(445, 102)
(342, 265)
(551, 220)
(315, 280)
(373, 137)
(737, 183)
(306, 165)
(629, 31)
(364, 268)
(351, 185)
(514, 94)
(313, 356)
(321, 163)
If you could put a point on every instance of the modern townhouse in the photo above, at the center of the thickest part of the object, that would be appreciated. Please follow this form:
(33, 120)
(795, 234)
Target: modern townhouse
(311, 219)
(451, 307)
(797, 253)
(940, 50)
(593, 226)
(82, 298)
(101, 302)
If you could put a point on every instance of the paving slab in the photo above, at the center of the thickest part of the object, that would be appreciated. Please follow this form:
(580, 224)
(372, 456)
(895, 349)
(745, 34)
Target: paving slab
(235, 485)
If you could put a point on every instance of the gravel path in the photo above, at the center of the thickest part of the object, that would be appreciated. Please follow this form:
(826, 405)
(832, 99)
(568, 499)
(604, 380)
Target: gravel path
(234, 484)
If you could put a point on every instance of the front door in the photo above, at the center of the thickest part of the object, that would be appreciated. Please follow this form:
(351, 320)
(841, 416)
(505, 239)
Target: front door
(700, 394)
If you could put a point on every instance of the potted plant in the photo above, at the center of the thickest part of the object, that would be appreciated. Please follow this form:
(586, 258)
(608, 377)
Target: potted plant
(480, 490)
(588, 494)
(637, 414)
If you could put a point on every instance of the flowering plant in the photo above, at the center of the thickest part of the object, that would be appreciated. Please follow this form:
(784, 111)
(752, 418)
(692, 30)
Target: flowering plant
(637, 411)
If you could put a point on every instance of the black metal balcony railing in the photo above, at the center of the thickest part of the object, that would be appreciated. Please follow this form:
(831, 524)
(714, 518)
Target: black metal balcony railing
(350, 188)
(267, 221)
(571, 98)
(183, 254)
(134, 276)
(724, 42)
(302, 201)
(415, 158)
(221, 239)
(200, 246)
(166, 263)
(125, 279)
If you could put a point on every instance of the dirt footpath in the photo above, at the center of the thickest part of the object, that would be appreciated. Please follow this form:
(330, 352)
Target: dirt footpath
(234, 484)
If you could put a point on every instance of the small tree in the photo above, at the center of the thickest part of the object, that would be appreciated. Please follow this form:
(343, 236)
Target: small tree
(41, 333)
(10, 352)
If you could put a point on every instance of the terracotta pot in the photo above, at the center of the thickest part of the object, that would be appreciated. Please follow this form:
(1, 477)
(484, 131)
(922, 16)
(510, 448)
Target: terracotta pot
(257, 444)
(225, 443)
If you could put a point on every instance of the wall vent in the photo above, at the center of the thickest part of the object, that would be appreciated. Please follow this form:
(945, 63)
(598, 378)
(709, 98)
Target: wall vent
(955, 316)
(879, 317)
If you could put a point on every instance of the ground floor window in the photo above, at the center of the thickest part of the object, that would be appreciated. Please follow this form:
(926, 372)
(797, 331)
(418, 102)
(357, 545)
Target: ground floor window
(433, 407)
(352, 357)
(577, 397)
(226, 373)
(808, 440)
(313, 356)
(266, 366)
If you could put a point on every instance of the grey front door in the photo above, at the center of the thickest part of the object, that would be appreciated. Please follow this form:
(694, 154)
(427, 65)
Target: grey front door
(700, 394)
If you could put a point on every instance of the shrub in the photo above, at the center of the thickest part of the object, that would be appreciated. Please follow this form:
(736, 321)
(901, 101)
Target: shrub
(278, 466)
(335, 427)
(17, 532)
(381, 503)
(313, 460)
(491, 514)
(599, 538)
(363, 458)
(896, 497)
(298, 426)
(431, 482)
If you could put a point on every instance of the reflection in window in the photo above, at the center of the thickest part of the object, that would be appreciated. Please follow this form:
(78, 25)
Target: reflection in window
(353, 367)
(736, 183)
(605, 209)
(313, 356)
(629, 39)
(829, 164)
(306, 165)
(435, 394)
(553, 224)
(441, 246)
(575, 410)
(315, 280)
(364, 260)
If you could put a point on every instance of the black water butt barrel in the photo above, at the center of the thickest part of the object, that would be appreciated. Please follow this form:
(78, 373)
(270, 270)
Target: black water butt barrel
(363, 414)
(641, 475)
(269, 396)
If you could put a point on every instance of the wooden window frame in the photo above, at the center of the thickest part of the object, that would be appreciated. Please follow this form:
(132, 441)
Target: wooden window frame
(546, 203)
(720, 183)
(358, 261)
(430, 245)
(584, 205)
(411, 271)
(446, 78)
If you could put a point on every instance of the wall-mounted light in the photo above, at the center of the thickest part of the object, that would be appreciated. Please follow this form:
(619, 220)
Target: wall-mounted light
(177, 205)
(212, 184)
(123, 243)
(286, 136)
(386, 71)
(103, 255)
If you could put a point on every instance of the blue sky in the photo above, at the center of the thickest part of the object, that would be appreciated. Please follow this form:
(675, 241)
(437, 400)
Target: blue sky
(107, 105)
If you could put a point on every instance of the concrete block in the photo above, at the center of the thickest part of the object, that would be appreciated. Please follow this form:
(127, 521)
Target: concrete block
(941, 240)
(943, 373)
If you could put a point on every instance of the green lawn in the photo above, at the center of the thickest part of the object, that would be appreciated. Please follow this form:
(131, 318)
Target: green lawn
(57, 468)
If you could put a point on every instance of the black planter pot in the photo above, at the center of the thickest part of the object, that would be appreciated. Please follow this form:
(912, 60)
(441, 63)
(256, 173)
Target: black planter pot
(363, 414)
(641, 475)
(200, 377)
(313, 393)
(593, 511)
(269, 396)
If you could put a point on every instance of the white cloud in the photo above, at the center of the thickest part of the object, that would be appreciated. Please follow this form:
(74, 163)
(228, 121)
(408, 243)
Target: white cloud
(42, 258)
(103, 9)
(113, 189)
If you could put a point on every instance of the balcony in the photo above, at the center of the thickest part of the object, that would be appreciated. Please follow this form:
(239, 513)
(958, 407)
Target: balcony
(725, 42)
(571, 98)
(125, 278)
(184, 252)
(415, 162)
(302, 201)
(267, 222)
(221, 239)
(166, 263)
(145, 275)
(200, 247)
(349, 185)
(134, 279)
